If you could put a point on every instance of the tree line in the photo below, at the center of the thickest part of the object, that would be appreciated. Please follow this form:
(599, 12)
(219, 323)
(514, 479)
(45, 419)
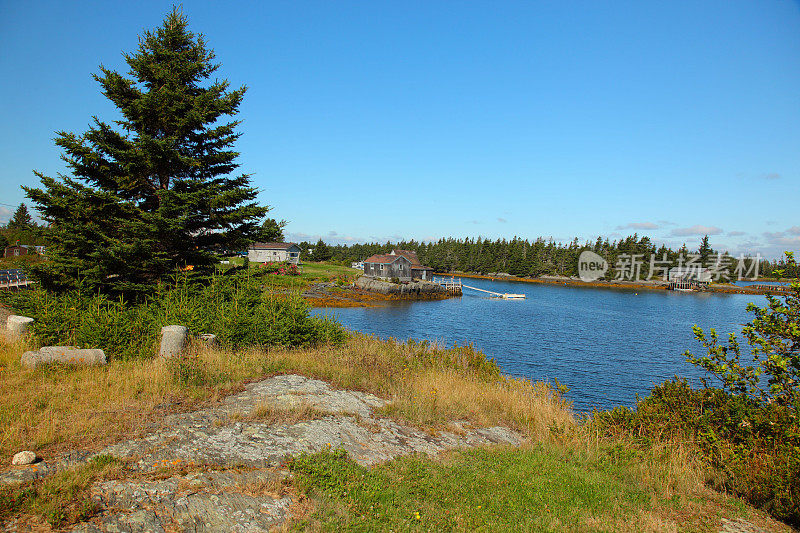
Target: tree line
(22, 229)
(522, 257)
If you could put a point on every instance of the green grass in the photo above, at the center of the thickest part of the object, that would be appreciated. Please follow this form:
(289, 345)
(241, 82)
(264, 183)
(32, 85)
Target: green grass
(487, 489)
(312, 273)
(62, 498)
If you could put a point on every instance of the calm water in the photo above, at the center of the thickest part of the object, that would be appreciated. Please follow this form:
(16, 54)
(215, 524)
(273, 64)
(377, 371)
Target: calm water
(606, 345)
(744, 283)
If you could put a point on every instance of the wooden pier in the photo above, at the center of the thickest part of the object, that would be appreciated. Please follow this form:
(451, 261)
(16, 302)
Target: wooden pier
(455, 286)
(685, 286)
(450, 284)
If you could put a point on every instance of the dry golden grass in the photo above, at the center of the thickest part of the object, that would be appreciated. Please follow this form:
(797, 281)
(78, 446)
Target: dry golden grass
(269, 413)
(57, 407)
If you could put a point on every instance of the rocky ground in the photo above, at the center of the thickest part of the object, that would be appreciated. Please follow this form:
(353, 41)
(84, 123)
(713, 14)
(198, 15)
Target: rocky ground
(233, 456)
(369, 292)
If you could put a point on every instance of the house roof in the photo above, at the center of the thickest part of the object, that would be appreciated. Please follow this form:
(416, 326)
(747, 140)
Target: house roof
(408, 254)
(384, 258)
(272, 245)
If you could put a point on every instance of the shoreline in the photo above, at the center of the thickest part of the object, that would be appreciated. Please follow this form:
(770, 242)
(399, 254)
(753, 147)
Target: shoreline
(325, 295)
(625, 285)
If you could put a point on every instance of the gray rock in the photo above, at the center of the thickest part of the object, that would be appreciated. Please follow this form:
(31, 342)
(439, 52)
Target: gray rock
(216, 436)
(739, 525)
(414, 289)
(63, 354)
(231, 500)
(17, 327)
(209, 340)
(173, 341)
(24, 458)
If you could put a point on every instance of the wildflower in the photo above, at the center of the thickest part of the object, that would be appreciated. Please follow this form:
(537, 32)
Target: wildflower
(417, 516)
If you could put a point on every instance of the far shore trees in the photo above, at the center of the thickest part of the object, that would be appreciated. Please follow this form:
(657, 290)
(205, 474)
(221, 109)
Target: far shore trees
(21, 220)
(158, 192)
(321, 251)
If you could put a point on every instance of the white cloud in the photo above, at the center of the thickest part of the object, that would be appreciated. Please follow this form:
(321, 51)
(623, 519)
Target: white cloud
(329, 239)
(501, 220)
(697, 229)
(771, 176)
(639, 225)
(736, 233)
(5, 214)
(790, 237)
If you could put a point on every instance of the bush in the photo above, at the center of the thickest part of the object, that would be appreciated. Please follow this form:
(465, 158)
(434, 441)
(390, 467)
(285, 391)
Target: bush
(234, 308)
(280, 269)
(752, 449)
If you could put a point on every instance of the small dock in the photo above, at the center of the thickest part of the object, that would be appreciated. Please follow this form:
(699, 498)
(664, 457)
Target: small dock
(451, 285)
(14, 279)
(685, 286)
(456, 286)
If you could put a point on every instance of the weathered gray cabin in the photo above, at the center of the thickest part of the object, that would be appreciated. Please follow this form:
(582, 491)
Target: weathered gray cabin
(418, 270)
(388, 266)
(274, 252)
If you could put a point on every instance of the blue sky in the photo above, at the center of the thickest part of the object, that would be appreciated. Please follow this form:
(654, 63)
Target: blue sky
(384, 120)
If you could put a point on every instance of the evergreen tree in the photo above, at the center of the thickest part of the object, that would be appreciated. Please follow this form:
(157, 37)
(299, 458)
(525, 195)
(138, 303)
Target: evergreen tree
(321, 251)
(271, 230)
(21, 221)
(705, 251)
(158, 194)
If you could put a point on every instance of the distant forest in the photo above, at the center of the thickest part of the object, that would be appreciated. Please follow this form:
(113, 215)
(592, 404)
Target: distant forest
(520, 257)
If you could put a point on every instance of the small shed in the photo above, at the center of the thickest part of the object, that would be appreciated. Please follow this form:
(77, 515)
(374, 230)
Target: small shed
(15, 250)
(274, 252)
(388, 266)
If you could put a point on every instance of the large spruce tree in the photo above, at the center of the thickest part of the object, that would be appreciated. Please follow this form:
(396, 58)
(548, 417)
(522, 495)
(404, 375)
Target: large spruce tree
(158, 192)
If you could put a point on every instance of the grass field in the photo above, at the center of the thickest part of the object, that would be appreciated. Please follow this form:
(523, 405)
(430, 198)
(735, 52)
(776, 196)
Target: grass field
(310, 273)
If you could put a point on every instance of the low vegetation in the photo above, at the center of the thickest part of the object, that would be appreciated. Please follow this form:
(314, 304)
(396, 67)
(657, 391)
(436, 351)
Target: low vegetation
(62, 498)
(568, 476)
(235, 308)
(532, 488)
(308, 273)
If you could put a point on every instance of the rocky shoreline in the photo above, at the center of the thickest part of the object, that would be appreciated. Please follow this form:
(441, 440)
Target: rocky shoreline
(371, 292)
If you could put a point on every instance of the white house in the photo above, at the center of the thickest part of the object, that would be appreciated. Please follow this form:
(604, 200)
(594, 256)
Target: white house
(274, 252)
(695, 273)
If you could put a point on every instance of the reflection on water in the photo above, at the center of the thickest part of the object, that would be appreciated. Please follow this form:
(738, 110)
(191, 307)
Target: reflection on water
(606, 345)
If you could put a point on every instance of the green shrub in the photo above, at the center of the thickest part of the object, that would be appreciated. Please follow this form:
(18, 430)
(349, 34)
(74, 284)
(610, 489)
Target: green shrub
(752, 448)
(235, 308)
